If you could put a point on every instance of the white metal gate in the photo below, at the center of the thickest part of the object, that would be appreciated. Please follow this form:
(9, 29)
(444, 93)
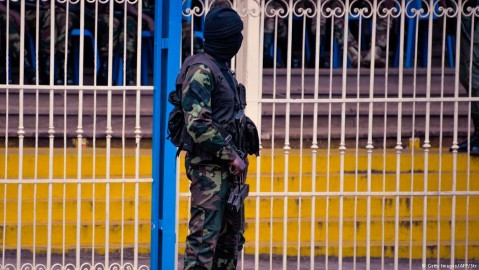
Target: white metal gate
(355, 170)
(76, 175)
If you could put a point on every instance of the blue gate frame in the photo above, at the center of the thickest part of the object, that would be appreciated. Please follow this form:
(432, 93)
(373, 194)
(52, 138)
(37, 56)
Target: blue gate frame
(168, 15)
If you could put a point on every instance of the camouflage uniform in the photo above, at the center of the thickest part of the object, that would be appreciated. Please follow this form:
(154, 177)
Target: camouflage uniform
(119, 44)
(354, 55)
(270, 25)
(44, 36)
(214, 241)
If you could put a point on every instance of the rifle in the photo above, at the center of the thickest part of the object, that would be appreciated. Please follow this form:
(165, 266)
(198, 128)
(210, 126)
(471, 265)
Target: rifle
(240, 190)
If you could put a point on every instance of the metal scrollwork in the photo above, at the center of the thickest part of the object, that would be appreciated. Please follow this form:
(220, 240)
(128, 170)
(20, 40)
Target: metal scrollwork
(306, 8)
(470, 10)
(115, 266)
(393, 11)
(413, 12)
(365, 11)
(338, 10)
(128, 266)
(196, 11)
(274, 9)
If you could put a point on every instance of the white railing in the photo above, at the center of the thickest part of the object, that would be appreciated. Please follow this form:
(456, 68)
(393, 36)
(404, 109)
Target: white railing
(73, 188)
(355, 171)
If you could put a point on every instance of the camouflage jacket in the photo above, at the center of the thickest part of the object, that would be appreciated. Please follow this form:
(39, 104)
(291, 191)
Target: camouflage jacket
(197, 91)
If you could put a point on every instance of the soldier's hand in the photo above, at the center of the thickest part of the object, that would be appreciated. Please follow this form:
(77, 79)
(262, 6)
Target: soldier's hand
(237, 166)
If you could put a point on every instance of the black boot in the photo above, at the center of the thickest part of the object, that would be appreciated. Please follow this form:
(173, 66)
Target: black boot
(102, 78)
(463, 146)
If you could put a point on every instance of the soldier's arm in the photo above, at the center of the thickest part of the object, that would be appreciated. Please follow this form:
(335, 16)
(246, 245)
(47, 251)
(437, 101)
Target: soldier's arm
(196, 102)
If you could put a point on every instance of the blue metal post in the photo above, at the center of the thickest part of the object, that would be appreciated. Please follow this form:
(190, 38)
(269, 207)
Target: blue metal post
(166, 66)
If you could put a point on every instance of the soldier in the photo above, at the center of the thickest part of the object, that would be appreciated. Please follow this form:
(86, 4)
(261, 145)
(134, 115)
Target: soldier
(274, 23)
(353, 53)
(118, 37)
(469, 73)
(210, 104)
(14, 43)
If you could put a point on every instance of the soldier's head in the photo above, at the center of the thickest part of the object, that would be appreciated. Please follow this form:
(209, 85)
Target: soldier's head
(222, 33)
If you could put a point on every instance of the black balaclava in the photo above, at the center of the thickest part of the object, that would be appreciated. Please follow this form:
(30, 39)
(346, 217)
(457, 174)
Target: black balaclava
(222, 33)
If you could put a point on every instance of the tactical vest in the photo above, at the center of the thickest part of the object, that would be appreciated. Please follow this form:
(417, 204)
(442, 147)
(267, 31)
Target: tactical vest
(226, 101)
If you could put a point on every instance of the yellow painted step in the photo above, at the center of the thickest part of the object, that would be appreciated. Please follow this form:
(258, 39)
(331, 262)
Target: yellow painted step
(86, 235)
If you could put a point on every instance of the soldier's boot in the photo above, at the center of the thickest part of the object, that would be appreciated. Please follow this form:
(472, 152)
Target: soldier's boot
(225, 259)
(29, 73)
(3, 74)
(102, 78)
(130, 77)
(463, 147)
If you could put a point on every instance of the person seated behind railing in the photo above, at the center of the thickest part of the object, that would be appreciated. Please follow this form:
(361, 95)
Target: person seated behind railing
(118, 35)
(271, 24)
(43, 38)
(354, 55)
(13, 44)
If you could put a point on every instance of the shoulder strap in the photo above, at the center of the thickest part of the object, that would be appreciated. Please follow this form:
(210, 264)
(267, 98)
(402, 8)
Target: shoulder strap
(211, 63)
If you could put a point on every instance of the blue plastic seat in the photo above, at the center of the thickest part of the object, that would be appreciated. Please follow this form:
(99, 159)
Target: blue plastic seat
(146, 59)
(31, 54)
(76, 52)
(146, 55)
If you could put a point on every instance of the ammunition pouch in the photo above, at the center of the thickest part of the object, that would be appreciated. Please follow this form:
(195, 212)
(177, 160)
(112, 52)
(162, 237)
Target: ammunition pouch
(250, 138)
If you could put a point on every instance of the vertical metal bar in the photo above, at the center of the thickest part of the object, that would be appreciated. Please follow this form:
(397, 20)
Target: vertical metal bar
(36, 159)
(123, 126)
(286, 146)
(80, 136)
(413, 135)
(314, 145)
(273, 126)
(468, 175)
(51, 128)
(258, 159)
(109, 132)
(454, 140)
(21, 135)
(301, 135)
(328, 154)
(399, 147)
(166, 66)
(356, 171)
(93, 186)
(427, 144)
(370, 145)
(441, 124)
(138, 134)
(342, 144)
(386, 93)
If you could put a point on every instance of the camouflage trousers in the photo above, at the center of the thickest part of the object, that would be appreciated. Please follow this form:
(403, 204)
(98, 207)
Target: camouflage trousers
(43, 36)
(44, 30)
(470, 76)
(215, 239)
(120, 31)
